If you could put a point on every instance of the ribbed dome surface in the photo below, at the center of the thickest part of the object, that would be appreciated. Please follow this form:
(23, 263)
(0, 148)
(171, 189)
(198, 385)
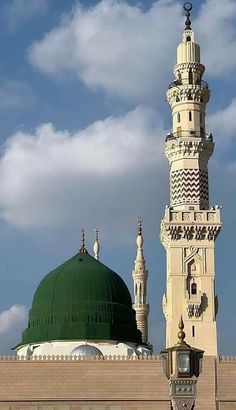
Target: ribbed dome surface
(86, 350)
(82, 299)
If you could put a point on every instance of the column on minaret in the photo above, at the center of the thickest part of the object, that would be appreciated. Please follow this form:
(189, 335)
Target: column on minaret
(190, 226)
(140, 275)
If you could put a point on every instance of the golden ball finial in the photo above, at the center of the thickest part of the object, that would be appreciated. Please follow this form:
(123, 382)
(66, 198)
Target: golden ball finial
(181, 333)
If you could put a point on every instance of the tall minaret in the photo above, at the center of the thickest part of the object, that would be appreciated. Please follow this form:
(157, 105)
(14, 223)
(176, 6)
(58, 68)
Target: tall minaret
(140, 275)
(189, 228)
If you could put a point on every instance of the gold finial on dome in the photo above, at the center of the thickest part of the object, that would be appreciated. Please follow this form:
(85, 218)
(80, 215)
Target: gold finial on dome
(181, 333)
(82, 249)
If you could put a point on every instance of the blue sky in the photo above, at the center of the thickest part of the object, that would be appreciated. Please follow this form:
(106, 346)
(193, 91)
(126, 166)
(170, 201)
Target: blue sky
(83, 118)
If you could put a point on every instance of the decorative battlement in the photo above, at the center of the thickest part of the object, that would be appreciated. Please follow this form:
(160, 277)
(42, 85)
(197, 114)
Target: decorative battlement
(62, 358)
(227, 358)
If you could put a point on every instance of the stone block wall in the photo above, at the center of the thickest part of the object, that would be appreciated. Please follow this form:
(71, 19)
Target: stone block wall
(63, 383)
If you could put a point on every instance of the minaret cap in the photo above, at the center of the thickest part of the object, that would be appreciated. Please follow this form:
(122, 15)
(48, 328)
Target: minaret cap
(187, 8)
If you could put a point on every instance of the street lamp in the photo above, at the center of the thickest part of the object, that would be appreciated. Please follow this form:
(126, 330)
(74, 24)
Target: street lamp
(182, 364)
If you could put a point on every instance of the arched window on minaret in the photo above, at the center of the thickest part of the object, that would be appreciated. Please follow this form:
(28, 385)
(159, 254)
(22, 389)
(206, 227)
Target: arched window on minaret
(190, 115)
(178, 117)
(190, 76)
(140, 293)
(193, 288)
(191, 285)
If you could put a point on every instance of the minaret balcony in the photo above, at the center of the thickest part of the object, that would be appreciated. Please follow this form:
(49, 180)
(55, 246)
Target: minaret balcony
(190, 224)
(200, 83)
(189, 134)
(190, 216)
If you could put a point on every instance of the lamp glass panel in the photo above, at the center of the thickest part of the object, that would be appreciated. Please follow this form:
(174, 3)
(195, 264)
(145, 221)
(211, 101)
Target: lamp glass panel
(184, 363)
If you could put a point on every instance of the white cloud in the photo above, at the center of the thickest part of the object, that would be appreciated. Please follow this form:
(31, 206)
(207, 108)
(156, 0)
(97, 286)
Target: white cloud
(12, 322)
(12, 317)
(15, 94)
(18, 12)
(216, 32)
(223, 124)
(53, 178)
(114, 46)
(128, 51)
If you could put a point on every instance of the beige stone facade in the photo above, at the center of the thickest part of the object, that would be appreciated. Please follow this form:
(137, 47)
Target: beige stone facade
(107, 384)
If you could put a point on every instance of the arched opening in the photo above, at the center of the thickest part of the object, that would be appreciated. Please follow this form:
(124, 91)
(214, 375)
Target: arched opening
(193, 288)
(191, 285)
(188, 38)
(140, 293)
(190, 115)
(190, 76)
(178, 117)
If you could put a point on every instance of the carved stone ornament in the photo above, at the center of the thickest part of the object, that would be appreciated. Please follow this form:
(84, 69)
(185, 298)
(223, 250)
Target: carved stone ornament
(179, 148)
(185, 93)
(182, 403)
(182, 67)
(194, 310)
(198, 232)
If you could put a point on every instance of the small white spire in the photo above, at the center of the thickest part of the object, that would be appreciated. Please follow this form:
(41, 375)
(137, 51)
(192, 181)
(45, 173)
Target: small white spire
(139, 241)
(96, 246)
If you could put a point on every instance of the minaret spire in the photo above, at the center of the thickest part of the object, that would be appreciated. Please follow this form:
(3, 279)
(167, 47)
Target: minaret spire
(187, 8)
(190, 225)
(140, 275)
(96, 246)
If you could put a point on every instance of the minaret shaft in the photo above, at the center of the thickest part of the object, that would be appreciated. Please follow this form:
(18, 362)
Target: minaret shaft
(189, 227)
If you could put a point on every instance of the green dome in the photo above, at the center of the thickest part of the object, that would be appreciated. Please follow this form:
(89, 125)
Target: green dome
(81, 299)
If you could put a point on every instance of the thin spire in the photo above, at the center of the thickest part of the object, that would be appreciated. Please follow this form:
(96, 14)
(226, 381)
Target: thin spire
(82, 249)
(187, 8)
(96, 246)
